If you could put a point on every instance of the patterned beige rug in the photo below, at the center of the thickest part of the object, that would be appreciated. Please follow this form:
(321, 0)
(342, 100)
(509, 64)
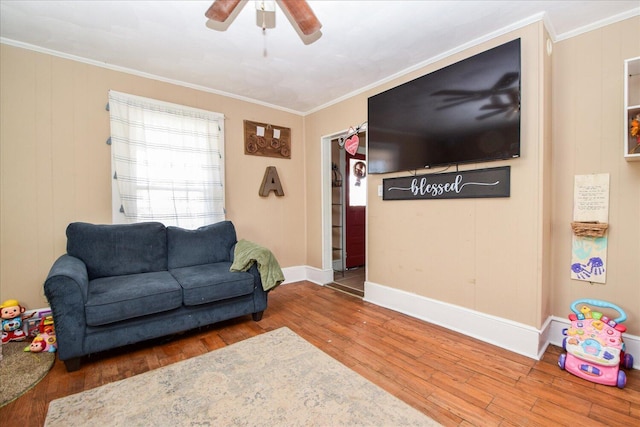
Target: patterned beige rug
(274, 379)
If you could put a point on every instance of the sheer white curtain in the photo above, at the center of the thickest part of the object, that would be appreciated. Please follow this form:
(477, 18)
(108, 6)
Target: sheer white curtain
(168, 162)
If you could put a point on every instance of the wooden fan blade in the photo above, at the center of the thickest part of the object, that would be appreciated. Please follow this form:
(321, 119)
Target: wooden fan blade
(221, 9)
(301, 12)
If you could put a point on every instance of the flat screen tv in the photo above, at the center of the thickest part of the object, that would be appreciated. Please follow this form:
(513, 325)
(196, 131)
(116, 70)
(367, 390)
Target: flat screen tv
(467, 112)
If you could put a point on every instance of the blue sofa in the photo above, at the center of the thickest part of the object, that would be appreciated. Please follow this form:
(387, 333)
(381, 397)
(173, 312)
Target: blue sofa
(122, 284)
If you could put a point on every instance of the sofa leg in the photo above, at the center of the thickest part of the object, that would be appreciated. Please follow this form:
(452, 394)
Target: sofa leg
(72, 364)
(257, 316)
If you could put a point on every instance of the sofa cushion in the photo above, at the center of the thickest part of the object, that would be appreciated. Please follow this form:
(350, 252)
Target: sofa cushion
(206, 283)
(112, 299)
(208, 244)
(118, 249)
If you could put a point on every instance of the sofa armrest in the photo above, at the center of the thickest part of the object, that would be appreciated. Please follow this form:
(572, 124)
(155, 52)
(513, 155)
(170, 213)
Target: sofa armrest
(259, 294)
(66, 290)
(232, 252)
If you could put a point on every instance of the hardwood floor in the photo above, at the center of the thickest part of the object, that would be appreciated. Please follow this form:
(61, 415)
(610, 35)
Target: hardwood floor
(454, 379)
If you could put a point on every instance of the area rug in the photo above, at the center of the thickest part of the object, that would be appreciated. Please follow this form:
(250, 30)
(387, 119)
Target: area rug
(20, 370)
(273, 379)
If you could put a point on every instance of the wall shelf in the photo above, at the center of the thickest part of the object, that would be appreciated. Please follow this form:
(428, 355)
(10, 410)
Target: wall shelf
(631, 107)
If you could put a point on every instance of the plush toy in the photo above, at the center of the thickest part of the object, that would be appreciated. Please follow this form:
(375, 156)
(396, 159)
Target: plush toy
(11, 314)
(42, 343)
(45, 341)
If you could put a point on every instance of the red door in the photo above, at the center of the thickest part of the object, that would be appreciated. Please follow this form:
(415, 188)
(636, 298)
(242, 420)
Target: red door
(355, 211)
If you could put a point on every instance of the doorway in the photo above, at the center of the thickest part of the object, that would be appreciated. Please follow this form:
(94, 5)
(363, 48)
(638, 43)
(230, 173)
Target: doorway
(355, 210)
(348, 217)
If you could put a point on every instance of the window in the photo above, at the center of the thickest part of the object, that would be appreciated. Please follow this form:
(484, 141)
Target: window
(167, 161)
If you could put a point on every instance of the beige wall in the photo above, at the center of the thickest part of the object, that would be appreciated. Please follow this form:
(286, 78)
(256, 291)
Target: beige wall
(588, 133)
(483, 254)
(503, 257)
(510, 258)
(56, 165)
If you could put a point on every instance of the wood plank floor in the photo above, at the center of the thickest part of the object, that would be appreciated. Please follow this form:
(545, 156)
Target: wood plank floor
(452, 378)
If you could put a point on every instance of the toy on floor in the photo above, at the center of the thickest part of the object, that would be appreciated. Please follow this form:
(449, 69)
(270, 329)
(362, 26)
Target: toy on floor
(45, 341)
(11, 314)
(595, 350)
(42, 343)
(46, 325)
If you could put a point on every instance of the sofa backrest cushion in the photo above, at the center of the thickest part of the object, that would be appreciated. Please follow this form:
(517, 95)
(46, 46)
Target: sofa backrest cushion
(118, 249)
(208, 244)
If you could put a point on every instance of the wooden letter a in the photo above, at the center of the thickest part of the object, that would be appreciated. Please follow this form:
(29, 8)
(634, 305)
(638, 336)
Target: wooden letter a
(271, 182)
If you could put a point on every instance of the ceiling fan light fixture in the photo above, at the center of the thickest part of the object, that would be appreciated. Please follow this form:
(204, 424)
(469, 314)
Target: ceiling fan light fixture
(297, 11)
(266, 5)
(265, 14)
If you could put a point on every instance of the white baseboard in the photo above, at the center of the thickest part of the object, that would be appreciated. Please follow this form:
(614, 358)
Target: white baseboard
(294, 274)
(305, 272)
(517, 337)
(513, 336)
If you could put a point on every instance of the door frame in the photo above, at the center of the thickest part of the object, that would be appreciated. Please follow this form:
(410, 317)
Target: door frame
(325, 202)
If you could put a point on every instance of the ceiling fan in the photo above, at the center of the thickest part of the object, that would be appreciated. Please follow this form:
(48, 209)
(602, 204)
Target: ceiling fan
(299, 10)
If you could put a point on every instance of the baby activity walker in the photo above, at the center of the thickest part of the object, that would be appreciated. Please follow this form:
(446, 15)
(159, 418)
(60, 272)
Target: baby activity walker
(594, 347)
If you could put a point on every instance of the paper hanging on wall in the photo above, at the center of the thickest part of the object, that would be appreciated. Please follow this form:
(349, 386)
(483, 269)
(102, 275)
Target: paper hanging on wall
(590, 203)
(591, 198)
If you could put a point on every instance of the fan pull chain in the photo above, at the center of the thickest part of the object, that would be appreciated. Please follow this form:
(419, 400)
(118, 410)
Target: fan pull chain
(264, 49)
(264, 31)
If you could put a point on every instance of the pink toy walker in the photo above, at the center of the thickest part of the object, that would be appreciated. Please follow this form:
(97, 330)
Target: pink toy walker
(595, 350)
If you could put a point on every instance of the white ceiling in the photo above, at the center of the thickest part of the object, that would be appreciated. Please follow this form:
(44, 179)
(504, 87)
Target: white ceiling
(363, 43)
